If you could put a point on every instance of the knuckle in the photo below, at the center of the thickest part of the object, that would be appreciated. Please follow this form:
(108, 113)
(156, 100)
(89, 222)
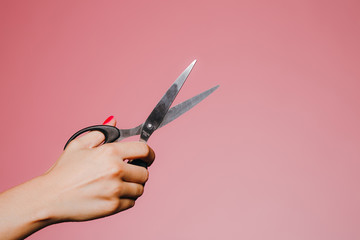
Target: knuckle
(146, 149)
(110, 190)
(140, 191)
(119, 168)
(108, 150)
(116, 169)
(142, 148)
(117, 191)
(131, 203)
(114, 188)
(112, 205)
(146, 176)
(125, 204)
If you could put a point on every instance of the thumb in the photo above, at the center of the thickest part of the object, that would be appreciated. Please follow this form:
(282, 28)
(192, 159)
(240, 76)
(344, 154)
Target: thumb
(94, 138)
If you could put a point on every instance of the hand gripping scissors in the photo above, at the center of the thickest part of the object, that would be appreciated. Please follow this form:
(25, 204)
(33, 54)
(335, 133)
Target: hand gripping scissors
(161, 115)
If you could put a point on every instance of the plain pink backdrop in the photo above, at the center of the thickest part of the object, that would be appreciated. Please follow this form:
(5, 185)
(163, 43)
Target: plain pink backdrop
(273, 154)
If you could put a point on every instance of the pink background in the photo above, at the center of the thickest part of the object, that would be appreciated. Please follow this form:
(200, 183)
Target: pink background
(272, 154)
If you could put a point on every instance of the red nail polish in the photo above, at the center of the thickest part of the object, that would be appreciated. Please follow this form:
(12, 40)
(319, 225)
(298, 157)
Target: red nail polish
(108, 120)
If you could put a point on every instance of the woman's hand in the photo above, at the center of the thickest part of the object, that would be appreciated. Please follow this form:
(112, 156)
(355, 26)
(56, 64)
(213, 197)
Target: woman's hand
(88, 181)
(91, 181)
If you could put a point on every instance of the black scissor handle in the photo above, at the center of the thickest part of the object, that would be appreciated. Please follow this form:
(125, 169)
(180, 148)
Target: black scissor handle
(111, 133)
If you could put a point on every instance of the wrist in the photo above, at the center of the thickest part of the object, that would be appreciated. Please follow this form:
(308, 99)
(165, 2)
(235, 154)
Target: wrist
(24, 210)
(43, 212)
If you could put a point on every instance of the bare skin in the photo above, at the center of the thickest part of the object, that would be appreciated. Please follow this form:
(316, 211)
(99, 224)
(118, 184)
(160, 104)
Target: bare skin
(88, 181)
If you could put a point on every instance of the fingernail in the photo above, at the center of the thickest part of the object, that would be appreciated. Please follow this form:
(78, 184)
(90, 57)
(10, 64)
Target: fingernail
(108, 120)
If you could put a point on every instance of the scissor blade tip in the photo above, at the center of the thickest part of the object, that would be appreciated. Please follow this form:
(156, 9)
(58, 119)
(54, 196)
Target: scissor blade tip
(211, 90)
(190, 67)
(214, 88)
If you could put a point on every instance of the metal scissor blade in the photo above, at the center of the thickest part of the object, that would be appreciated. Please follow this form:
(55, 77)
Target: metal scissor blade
(185, 106)
(125, 133)
(172, 114)
(158, 113)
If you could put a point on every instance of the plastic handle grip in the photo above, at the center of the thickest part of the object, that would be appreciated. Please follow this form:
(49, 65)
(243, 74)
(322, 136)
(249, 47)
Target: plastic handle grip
(111, 133)
(139, 162)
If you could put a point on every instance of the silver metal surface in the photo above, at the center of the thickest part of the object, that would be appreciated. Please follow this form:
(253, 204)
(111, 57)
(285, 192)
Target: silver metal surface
(125, 133)
(185, 106)
(171, 115)
(158, 113)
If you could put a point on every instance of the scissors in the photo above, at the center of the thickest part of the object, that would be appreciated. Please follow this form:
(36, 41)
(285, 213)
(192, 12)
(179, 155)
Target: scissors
(161, 115)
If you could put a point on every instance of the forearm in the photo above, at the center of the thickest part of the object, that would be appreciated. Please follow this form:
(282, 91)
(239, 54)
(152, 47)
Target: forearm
(24, 210)
(88, 181)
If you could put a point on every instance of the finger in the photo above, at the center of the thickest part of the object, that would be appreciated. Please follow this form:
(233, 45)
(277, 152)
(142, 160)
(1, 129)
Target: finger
(125, 203)
(130, 190)
(94, 138)
(135, 174)
(135, 150)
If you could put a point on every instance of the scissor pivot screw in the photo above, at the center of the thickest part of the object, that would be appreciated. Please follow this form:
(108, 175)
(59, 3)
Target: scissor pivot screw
(149, 126)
